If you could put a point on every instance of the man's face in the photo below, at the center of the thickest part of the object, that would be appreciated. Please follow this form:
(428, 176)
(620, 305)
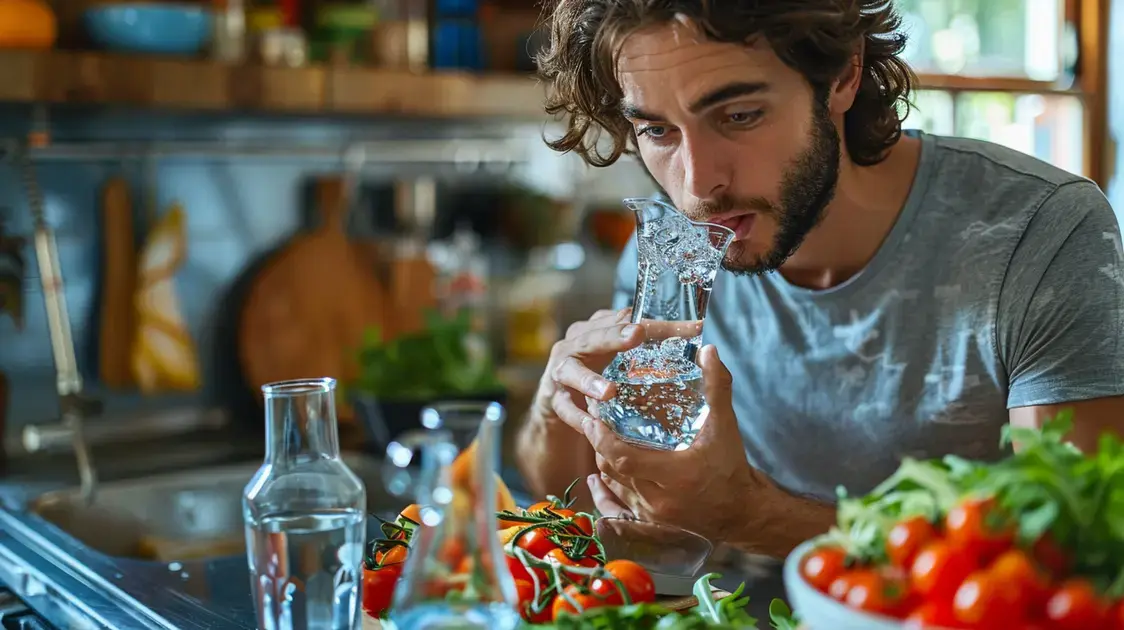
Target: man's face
(734, 136)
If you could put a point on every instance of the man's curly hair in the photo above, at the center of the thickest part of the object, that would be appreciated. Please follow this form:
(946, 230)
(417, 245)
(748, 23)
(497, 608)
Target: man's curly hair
(818, 38)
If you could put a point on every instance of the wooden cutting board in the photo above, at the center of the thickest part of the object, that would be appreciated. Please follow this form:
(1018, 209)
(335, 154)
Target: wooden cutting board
(306, 312)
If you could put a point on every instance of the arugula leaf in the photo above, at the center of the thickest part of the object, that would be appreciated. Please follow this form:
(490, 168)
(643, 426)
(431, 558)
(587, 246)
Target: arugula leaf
(781, 617)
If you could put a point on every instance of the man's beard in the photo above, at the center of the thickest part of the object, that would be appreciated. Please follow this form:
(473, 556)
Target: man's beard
(807, 187)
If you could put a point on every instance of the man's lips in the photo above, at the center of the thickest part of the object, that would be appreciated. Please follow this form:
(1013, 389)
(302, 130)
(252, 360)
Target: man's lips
(741, 224)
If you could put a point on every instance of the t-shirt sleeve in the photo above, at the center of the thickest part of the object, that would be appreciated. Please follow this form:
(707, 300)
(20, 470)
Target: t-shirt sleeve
(624, 280)
(1060, 321)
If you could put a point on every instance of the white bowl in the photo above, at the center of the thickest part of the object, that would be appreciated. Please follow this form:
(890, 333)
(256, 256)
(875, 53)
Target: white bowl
(818, 611)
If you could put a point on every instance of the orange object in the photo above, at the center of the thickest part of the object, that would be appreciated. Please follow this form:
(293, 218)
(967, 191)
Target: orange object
(463, 472)
(27, 24)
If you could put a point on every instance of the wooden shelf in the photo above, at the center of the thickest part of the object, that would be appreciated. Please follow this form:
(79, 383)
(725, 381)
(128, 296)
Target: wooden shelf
(186, 84)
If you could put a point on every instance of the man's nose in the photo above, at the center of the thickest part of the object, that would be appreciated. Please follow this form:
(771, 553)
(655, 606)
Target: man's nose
(706, 168)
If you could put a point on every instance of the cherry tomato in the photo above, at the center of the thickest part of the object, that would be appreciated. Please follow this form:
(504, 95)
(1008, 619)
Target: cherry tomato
(1048, 553)
(841, 585)
(931, 615)
(978, 527)
(1075, 606)
(907, 538)
(527, 597)
(396, 554)
(607, 590)
(378, 588)
(535, 541)
(1116, 616)
(636, 579)
(542, 505)
(875, 592)
(558, 556)
(820, 567)
(938, 570)
(562, 605)
(983, 601)
(1027, 584)
(520, 571)
(582, 525)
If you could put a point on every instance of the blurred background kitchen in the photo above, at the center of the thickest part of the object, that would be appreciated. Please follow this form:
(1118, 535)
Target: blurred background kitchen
(360, 189)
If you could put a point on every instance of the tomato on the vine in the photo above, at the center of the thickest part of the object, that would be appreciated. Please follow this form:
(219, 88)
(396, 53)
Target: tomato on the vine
(1116, 616)
(378, 588)
(1018, 573)
(907, 538)
(983, 601)
(558, 557)
(581, 525)
(635, 578)
(1048, 553)
(820, 567)
(520, 571)
(527, 596)
(1075, 606)
(938, 570)
(562, 605)
(979, 527)
(535, 541)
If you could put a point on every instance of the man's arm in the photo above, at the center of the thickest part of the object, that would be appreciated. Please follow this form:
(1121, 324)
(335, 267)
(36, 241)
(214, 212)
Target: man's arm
(550, 455)
(1061, 317)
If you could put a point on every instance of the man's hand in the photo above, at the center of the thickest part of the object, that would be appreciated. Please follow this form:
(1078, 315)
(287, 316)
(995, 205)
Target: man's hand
(709, 488)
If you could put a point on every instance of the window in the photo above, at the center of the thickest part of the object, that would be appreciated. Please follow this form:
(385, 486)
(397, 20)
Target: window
(1027, 74)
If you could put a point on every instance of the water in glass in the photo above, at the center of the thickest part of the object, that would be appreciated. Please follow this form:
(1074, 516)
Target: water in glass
(305, 515)
(659, 401)
(458, 528)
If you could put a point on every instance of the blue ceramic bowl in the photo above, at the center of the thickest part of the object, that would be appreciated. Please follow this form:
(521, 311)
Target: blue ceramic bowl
(816, 610)
(150, 28)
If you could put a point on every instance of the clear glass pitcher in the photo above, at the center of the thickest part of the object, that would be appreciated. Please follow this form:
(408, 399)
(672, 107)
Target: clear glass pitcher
(305, 514)
(659, 401)
(455, 575)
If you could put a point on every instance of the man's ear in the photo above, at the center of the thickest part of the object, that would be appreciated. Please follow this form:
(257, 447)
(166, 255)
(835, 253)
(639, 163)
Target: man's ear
(843, 92)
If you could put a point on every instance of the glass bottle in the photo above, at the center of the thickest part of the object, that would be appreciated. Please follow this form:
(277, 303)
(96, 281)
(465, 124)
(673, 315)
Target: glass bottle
(455, 575)
(659, 401)
(305, 515)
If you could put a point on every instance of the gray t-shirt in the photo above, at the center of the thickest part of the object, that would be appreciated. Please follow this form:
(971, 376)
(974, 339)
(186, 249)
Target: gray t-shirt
(1001, 285)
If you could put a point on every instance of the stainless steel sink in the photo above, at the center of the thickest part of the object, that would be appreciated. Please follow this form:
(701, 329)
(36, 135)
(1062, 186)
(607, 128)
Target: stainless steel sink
(189, 515)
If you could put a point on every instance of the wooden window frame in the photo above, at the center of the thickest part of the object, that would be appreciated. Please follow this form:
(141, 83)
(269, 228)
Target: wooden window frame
(1089, 19)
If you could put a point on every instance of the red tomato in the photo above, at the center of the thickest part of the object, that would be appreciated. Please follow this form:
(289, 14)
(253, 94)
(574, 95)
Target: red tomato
(931, 615)
(1051, 556)
(542, 505)
(841, 585)
(1075, 606)
(558, 556)
(938, 570)
(907, 538)
(641, 588)
(1116, 616)
(527, 596)
(977, 526)
(1028, 586)
(875, 592)
(535, 541)
(606, 589)
(378, 588)
(520, 571)
(582, 525)
(822, 566)
(983, 601)
(562, 605)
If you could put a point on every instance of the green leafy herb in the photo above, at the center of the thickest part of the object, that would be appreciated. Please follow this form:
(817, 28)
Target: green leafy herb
(781, 617)
(440, 360)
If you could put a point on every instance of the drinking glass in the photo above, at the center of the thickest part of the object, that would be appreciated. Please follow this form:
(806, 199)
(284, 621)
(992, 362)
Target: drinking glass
(659, 401)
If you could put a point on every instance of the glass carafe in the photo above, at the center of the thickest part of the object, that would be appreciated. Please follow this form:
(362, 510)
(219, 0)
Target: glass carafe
(659, 401)
(305, 515)
(455, 575)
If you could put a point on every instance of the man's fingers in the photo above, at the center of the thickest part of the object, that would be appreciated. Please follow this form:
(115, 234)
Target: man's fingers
(562, 402)
(572, 373)
(620, 456)
(719, 394)
(600, 319)
(605, 501)
(659, 329)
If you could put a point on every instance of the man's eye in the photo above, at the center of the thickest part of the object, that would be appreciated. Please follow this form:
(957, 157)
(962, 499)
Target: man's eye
(744, 118)
(652, 131)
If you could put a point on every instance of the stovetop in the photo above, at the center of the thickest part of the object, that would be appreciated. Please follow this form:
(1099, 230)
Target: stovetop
(16, 615)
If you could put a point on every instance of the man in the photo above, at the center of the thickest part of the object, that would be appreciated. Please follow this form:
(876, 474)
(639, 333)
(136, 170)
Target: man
(887, 294)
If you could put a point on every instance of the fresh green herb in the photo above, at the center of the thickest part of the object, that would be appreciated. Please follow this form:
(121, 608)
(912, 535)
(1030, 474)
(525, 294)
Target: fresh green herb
(1046, 486)
(440, 360)
(781, 617)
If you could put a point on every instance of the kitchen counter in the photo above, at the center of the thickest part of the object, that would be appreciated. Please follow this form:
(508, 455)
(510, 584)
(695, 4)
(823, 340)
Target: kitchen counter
(73, 586)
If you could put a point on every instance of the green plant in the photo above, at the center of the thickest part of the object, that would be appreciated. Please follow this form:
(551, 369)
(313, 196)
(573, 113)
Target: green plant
(440, 360)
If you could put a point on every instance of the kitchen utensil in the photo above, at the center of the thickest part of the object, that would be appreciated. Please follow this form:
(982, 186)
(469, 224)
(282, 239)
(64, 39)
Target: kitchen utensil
(307, 311)
(119, 284)
(673, 556)
(659, 401)
(175, 29)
